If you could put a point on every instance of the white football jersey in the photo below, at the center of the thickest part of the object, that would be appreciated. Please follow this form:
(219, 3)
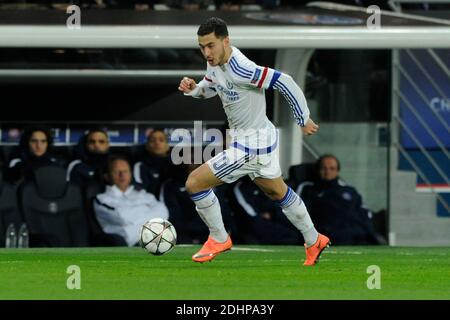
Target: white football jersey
(240, 84)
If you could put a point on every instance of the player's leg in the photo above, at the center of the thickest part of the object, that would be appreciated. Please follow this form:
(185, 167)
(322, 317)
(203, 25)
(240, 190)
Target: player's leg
(201, 179)
(227, 166)
(291, 204)
(295, 210)
(199, 185)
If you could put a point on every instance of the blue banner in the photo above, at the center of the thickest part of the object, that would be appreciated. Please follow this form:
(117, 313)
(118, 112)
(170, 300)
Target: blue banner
(118, 133)
(11, 133)
(192, 133)
(59, 134)
(431, 102)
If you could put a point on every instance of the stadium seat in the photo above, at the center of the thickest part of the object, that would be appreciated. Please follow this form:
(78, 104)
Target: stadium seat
(125, 151)
(53, 210)
(300, 173)
(96, 234)
(2, 158)
(63, 153)
(9, 211)
(7, 152)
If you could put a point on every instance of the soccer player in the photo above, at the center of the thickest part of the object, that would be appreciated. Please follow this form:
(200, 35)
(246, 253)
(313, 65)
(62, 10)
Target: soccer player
(240, 84)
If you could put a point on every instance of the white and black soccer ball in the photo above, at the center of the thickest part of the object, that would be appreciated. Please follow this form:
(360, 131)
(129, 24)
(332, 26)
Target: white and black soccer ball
(158, 236)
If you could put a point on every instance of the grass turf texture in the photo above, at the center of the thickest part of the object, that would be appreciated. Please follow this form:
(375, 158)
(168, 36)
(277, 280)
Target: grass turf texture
(247, 272)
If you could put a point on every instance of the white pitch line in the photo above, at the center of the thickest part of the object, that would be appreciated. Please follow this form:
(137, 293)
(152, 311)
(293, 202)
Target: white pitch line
(342, 252)
(252, 249)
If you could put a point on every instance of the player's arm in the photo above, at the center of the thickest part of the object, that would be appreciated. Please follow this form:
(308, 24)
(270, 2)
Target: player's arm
(201, 90)
(296, 99)
(247, 72)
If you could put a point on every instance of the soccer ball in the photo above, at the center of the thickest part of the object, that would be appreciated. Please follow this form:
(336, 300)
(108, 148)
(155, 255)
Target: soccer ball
(158, 236)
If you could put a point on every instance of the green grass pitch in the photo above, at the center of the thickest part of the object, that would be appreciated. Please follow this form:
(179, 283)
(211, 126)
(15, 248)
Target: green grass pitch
(246, 272)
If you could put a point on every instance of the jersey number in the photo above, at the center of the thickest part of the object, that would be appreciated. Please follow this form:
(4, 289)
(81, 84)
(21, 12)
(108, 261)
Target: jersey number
(221, 162)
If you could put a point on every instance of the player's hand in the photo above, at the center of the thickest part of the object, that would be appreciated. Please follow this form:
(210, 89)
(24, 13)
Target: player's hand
(310, 128)
(187, 85)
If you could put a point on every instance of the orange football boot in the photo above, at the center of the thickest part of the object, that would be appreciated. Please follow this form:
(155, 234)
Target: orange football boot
(211, 249)
(313, 252)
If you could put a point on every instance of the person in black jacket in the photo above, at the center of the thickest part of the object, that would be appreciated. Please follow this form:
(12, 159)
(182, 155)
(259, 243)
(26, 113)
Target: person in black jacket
(35, 151)
(336, 208)
(153, 164)
(89, 169)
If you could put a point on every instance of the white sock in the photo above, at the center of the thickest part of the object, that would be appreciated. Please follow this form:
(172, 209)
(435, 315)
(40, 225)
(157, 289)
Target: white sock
(208, 208)
(295, 210)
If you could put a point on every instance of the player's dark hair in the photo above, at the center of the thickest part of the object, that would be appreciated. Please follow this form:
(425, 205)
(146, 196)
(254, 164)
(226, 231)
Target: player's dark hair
(213, 24)
(328, 155)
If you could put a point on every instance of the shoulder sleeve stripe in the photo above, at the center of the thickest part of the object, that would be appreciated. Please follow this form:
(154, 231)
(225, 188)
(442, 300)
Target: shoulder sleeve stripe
(240, 67)
(292, 102)
(275, 77)
(239, 72)
(262, 78)
(243, 75)
(281, 85)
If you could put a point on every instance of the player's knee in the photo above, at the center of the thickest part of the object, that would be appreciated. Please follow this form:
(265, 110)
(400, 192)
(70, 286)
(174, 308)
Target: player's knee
(274, 195)
(192, 184)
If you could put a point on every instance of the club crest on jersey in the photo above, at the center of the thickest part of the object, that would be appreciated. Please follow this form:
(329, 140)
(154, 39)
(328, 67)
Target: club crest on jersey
(230, 94)
(256, 76)
(229, 85)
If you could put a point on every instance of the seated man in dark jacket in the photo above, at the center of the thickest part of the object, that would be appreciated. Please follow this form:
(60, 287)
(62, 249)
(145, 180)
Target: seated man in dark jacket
(90, 167)
(336, 208)
(153, 164)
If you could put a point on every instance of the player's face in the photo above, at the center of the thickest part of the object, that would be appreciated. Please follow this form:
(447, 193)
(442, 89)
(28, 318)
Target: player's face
(328, 169)
(157, 143)
(97, 142)
(213, 48)
(121, 174)
(38, 143)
